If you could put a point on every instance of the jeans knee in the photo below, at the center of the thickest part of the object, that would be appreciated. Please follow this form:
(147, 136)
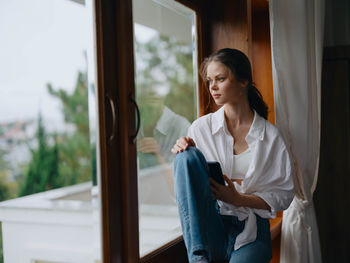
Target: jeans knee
(190, 163)
(192, 154)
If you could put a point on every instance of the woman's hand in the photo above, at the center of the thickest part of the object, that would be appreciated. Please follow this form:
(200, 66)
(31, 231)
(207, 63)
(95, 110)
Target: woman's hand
(182, 144)
(226, 193)
(230, 195)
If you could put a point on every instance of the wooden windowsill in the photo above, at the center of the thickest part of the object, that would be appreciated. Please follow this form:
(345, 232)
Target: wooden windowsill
(275, 227)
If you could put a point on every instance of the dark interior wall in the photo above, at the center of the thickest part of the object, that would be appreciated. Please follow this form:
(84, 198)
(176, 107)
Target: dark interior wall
(331, 197)
(337, 23)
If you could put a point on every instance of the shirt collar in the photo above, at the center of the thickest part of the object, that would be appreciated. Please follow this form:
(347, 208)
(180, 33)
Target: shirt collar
(256, 131)
(218, 120)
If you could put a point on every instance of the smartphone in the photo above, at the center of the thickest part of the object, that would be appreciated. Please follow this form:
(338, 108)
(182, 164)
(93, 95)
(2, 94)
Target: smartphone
(215, 172)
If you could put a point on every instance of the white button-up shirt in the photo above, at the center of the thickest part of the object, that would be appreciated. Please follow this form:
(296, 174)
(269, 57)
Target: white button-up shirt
(269, 176)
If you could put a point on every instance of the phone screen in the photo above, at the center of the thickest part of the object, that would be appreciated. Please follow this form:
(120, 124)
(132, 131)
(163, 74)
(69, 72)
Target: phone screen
(215, 172)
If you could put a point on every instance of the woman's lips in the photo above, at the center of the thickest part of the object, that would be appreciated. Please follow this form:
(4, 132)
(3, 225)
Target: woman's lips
(215, 96)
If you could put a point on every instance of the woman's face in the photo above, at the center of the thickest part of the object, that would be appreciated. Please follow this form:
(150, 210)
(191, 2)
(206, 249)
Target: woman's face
(223, 85)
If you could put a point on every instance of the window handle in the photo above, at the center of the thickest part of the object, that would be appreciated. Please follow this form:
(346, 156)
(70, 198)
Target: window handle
(133, 137)
(114, 120)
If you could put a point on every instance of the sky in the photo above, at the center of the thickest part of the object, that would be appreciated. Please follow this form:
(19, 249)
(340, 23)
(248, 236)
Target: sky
(41, 41)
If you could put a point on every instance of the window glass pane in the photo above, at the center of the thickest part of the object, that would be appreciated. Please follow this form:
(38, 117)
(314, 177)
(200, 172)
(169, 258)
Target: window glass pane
(48, 181)
(166, 83)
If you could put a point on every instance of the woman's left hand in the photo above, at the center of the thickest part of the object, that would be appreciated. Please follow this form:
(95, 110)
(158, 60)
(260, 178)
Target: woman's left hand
(226, 193)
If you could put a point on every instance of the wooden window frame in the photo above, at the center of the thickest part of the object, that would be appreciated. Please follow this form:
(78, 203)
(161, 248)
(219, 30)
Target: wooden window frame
(117, 123)
(116, 111)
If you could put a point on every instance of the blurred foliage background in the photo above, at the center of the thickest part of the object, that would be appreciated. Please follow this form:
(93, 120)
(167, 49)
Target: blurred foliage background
(163, 78)
(164, 74)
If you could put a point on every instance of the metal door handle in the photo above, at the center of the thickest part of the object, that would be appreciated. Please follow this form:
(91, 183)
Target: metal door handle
(133, 137)
(114, 120)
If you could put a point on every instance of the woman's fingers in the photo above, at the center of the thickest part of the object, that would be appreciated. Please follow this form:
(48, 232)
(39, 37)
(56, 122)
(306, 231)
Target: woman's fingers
(189, 141)
(185, 142)
(238, 181)
(213, 183)
(182, 144)
(176, 149)
(214, 191)
(228, 181)
(215, 187)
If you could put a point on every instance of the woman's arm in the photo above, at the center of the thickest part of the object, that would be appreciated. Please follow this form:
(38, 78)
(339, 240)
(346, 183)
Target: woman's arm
(230, 195)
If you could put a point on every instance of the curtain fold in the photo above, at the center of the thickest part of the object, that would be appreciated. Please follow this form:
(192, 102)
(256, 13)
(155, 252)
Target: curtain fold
(297, 45)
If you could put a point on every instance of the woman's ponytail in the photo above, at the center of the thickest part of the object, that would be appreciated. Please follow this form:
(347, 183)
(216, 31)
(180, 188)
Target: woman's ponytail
(256, 101)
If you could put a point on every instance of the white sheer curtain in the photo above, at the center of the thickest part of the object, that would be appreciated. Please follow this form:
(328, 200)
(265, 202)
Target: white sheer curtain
(296, 43)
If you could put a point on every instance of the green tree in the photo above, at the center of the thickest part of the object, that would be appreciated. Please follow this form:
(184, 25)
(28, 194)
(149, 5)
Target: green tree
(7, 188)
(74, 148)
(43, 171)
(3, 164)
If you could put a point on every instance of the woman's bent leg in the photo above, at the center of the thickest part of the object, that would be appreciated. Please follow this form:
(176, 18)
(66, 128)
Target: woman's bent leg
(203, 229)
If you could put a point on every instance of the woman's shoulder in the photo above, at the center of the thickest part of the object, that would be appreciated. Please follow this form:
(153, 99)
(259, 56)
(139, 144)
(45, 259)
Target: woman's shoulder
(272, 128)
(274, 133)
(203, 121)
(265, 126)
(200, 127)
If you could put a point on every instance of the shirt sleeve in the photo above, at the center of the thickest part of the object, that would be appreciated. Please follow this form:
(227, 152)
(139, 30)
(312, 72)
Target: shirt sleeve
(279, 191)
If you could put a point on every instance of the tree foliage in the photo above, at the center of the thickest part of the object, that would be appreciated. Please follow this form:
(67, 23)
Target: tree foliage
(8, 188)
(63, 158)
(42, 172)
(165, 70)
(74, 148)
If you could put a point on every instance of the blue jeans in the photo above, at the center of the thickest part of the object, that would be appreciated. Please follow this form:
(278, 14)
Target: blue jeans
(207, 234)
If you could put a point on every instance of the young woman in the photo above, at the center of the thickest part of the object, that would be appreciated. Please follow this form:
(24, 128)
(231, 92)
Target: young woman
(230, 222)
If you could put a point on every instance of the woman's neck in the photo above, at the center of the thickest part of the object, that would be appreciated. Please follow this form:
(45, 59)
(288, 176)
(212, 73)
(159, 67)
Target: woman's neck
(238, 114)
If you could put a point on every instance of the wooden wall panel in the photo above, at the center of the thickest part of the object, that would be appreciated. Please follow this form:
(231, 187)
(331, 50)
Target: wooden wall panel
(243, 25)
(228, 25)
(261, 54)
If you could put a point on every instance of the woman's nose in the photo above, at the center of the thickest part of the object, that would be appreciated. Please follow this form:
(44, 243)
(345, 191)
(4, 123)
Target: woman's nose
(213, 86)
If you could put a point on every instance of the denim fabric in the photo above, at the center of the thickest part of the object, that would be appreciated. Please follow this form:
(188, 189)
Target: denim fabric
(207, 234)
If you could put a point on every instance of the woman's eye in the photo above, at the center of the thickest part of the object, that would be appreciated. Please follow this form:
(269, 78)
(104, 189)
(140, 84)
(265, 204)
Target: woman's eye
(221, 79)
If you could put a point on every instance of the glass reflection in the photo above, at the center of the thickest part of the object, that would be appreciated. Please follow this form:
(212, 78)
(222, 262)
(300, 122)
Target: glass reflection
(165, 93)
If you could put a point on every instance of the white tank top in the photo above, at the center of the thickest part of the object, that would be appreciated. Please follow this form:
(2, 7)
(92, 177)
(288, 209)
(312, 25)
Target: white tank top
(241, 164)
